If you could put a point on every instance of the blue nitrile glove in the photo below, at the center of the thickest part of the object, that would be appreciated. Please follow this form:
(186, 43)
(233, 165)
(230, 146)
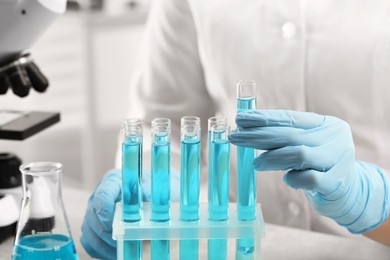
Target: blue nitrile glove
(319, 152)
(96, 230)
(97, 225)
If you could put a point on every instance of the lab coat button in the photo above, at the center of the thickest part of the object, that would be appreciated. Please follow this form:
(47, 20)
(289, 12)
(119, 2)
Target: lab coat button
(289, 30)
(294, 208)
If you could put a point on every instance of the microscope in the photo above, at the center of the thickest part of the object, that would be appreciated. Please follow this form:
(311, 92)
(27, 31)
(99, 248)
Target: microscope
(21, 24)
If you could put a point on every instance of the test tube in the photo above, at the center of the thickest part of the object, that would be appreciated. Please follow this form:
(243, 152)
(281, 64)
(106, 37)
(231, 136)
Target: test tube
(218, 180)
(211, 122)
(246, 174)
(131, 181)
(190, 180)
(161, 138)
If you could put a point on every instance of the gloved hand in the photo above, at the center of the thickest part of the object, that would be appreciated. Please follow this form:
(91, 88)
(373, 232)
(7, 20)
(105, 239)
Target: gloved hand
(97, 225)
(319, 152)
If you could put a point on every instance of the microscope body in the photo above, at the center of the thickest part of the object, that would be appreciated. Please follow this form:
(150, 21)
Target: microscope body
(21, 24)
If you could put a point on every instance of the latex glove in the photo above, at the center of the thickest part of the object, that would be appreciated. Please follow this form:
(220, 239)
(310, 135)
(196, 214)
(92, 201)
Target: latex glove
(97, 225)
(96, 229)
(319, 152)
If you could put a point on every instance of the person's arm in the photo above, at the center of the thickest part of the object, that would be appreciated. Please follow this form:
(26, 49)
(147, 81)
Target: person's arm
(381, 234)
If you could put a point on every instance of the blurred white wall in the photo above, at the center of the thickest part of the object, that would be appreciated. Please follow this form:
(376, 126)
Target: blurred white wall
(89, 61)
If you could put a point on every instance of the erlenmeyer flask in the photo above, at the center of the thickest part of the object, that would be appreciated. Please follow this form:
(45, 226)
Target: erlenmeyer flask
(43, 229)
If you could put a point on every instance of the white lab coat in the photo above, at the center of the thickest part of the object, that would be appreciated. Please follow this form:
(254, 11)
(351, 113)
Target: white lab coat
(331, 57)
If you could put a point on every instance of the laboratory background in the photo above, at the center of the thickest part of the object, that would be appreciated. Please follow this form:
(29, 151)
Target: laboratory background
(88, 55)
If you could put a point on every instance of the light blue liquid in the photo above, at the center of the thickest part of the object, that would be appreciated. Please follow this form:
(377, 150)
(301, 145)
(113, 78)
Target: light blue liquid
(190, 180)
(131, 180)
(160, 180)
(160, 249)
(189, 250)
(131, 192)
(219, 180)
(51, 246)
(189, 193)
(217, 249)
(132, 250)
(219, 171)
(246, 186)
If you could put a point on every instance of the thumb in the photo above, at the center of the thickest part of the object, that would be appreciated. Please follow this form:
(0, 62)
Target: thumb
(309, 180)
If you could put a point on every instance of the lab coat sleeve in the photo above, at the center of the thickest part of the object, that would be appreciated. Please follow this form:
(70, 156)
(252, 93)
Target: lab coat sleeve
(169, 80)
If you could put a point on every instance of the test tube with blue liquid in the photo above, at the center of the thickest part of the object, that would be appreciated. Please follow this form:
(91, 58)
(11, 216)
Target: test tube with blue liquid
(131, 181)
(218, 181)
(190, 180)
(161, 144)
(246, 174)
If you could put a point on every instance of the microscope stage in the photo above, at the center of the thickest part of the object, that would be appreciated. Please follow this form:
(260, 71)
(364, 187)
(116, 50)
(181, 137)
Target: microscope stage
(19, 125)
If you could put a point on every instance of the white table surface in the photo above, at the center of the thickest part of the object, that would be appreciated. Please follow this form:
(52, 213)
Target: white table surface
(279, 242)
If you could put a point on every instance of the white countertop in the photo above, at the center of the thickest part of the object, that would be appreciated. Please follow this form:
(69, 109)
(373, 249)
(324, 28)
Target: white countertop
(279, 242)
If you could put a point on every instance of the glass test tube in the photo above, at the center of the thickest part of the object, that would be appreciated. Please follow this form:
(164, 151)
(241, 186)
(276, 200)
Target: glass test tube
(246, 174)
(161, 138)
(218, 180)
(190, 180)
(131, 181)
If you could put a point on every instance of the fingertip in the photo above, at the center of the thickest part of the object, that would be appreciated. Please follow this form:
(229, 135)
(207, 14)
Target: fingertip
(258, 163)
(233, 136)
(288, 182)
(307, 180)
(248, 118)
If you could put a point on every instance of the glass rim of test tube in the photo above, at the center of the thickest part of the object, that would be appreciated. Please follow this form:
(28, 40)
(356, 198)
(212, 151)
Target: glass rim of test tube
(215, 120)
(246, 89)
(190, 127)
(190, 120)
(161, 121)
(132, 127)
(220, 127)
(161, 125)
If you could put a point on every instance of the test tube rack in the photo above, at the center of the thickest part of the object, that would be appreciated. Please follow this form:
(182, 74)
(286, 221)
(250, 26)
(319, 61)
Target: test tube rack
(174, 229)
